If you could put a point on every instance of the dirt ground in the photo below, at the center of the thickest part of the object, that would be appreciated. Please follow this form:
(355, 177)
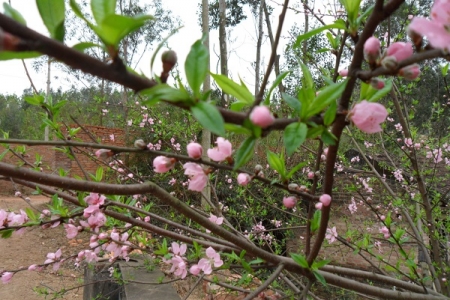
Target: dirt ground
(32, 247)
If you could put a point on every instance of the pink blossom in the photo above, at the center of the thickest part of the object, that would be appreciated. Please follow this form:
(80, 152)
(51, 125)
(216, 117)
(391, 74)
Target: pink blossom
(399, 50)
(385, 231)
(194, 150)
(410, 72)
(103, 153)
(310, 175)
(95, 221)
(111, 137)
(352, 207)
(195, 270)
(34, 267)
(343, 73)
(325, 199)
(179, 267)
(179, 249)
(289, 202)
(206, 264)
(197, 176)
(372, 49)
(95, 199)
(222, 151)
(331, 235)
(435, 29)
(71, 230)
(319, 205)
(243, 179)
(54, 258)
(6, 277)
(162, 164)
(216, 220)
(261, 116)
(368, 116)
(382, 217)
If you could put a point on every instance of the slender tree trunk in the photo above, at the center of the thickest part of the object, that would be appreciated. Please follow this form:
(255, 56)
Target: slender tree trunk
(47, 129)
(258, 46)
(206, 134)
(305, 44)
(272, 41)
(223, 45)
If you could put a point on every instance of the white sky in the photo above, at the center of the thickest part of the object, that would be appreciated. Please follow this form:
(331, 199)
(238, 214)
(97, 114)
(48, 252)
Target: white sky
(242, 50)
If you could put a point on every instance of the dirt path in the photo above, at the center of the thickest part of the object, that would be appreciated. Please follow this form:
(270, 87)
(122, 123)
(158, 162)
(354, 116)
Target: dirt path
(31, 248)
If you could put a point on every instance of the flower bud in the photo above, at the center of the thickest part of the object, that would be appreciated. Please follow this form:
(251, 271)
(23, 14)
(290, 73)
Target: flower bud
(289, 202)
(400, 50)
(293, 186)
(372, 49)
(162, 164)
(376, 83)
(243, 179)
(261, 116)
(194, 150)
(343, 73)
(103, 153)
(140, 144)
(169, 59)
(410, 72)
(325, 199)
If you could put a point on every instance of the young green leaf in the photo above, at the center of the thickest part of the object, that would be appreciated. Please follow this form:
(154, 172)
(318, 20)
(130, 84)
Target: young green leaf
(315, 222)
(6, 233)
(326, 97)
(294, 136)
(53, 14)
(378, 94)
(274, 85)
(85, 45)
(239, 91)
(295, 169)
(330, 114)
(166, 93)
(276, 163)
(293, 103)
(7, 55)
(102, 9)
(13, 14)
(244, 153)
(300, 260)
(209, 117)
(328, 138)
(307, 80)
(115, 27)
(320, 278)
(338, 24)
(196, 66)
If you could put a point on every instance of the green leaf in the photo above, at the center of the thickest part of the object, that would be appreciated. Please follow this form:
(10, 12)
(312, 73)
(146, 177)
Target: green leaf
(300, 260)
(209, 117)
(244, 153)
(315, 222)
(53, 14)
(37, 100)
(237, 129)
(306, 97)
(3, 154)
(31, 215)
(102, 9)
(196, 66)
(239, 91)
(330, 114)
(7, 233)
(352, 8)
(365, 14)
(166, 93)
(295, 169)
(319, 264)
(320, 278)
(115, 27)
(338, 24)
(326, 97)
(444, 69)
(276, 163)
(77, 11)
(13, 14)
(294, 136)
(274, 85)
(328, 138)
(293, 103)
(85, 45)
(99, 174)
(7, 55)
(378, 94)
(307, 80)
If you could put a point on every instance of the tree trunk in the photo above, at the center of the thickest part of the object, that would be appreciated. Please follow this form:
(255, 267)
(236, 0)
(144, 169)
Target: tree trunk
(258, 46)
(223, 46)
(206, 134)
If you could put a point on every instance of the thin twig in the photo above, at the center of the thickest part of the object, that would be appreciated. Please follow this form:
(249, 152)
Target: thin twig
(266, 283)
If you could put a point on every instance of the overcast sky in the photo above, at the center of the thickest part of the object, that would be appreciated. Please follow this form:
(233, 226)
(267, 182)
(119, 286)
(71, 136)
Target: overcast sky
(242, 49)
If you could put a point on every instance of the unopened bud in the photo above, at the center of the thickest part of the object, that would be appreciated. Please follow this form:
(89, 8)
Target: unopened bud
(293, 186)
(410, 72)
(140, 144)
(169, 59)
(389, 62)
(258, 168)
(376, 83)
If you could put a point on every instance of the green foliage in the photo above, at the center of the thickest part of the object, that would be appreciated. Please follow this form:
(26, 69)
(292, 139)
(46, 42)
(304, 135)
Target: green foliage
(294, 136)
(53, 14)
(338, 24)
(240, 91)
(245, 152)
(13, 13)
(196, 66)
(209, 117)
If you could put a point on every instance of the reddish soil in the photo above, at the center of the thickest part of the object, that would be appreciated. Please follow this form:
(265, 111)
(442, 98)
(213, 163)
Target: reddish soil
(32, 247)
